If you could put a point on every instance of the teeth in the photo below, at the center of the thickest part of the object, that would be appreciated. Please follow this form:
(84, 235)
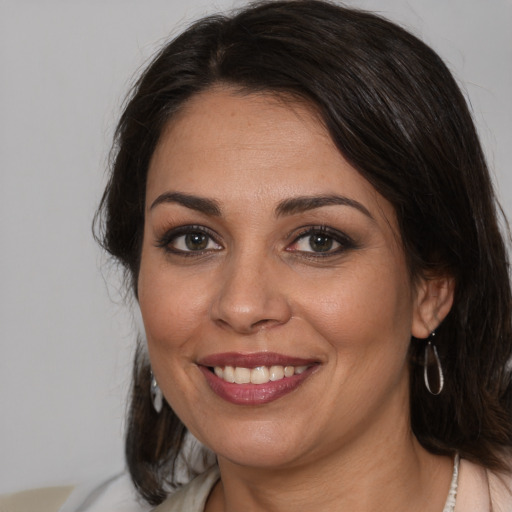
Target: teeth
(229, 374)
(258, 375)
(276, 373)
(289, 371)
(242, 375)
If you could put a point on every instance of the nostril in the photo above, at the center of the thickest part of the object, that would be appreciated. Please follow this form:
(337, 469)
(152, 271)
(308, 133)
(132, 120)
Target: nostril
(266, 322)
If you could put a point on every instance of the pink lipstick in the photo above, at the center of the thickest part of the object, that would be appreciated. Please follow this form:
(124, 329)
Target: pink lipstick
(253, 379)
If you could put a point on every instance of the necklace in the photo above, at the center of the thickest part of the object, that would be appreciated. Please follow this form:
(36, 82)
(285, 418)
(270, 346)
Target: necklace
(449, 506)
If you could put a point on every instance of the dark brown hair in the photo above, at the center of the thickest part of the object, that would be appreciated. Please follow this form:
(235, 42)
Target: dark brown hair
(396, 114)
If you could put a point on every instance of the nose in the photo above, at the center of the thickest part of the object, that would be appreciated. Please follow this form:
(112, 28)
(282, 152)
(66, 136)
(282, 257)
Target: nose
(250, 296)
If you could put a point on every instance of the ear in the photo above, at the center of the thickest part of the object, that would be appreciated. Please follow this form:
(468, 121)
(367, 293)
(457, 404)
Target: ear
(434, 299)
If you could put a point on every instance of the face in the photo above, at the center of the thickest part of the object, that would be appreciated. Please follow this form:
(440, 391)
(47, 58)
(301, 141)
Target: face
(274, 291)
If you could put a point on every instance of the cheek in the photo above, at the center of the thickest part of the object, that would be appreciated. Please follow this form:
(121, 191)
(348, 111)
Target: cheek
(170, 306)
(362, 311)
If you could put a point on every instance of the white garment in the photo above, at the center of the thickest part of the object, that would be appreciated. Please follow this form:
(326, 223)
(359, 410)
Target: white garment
(117, 494)
(192, 497)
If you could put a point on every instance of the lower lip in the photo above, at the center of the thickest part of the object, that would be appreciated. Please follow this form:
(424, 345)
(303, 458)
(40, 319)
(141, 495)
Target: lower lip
(254, 394)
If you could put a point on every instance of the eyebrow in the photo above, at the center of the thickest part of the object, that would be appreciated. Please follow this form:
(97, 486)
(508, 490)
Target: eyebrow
(290, 206)
(200, 204)
(302, 204)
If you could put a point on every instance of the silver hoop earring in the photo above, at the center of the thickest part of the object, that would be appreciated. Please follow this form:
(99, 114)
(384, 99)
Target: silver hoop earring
(156, 395)
(432, 360)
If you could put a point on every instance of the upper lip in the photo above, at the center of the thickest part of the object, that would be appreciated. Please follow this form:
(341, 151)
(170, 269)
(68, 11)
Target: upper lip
(253, 360)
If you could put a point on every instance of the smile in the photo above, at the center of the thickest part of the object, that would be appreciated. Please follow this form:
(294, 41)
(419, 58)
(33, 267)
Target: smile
(255, 379)
(258, 375)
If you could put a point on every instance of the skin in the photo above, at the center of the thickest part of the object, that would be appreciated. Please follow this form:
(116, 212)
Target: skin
(342, 439)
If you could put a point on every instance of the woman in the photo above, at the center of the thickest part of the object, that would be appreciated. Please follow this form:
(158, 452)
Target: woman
(304, 212)
(303, 208)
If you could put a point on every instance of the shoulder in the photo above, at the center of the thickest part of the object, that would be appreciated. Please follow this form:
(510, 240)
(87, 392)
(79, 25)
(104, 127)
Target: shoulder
(481, 489)
(192, 497)
(500, 491)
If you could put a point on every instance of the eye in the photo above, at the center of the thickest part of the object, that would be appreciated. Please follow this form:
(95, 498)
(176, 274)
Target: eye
(194, 242)
(321, 241)
(317, 242)
(187, 240)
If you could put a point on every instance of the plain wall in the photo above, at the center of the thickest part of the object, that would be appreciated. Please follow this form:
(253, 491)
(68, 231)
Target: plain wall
(66, 338)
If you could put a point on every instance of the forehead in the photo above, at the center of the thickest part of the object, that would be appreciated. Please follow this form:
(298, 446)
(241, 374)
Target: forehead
(227, 124)
(225, 144)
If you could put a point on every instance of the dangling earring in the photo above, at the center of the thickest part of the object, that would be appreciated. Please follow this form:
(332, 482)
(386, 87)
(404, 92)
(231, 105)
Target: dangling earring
(156, 394)
(431, 356)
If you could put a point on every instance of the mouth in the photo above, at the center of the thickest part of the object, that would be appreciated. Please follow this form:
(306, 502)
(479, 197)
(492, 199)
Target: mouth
(253, 379)
(258, 375)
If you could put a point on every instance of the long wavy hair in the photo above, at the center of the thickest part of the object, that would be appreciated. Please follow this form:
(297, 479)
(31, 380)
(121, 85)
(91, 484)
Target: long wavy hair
(396, 114)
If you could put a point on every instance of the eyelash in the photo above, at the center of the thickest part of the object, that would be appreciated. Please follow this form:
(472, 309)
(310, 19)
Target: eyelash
(344, 241)
(165, 242)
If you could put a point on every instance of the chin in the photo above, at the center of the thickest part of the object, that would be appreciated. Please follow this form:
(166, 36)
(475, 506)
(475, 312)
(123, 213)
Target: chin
(257, 457)
(257, 446)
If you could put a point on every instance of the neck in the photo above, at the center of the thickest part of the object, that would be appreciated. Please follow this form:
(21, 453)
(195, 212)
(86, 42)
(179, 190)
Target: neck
(377, 473)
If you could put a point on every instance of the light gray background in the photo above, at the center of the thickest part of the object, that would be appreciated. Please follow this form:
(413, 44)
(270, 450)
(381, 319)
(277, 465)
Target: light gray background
(66, 339)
